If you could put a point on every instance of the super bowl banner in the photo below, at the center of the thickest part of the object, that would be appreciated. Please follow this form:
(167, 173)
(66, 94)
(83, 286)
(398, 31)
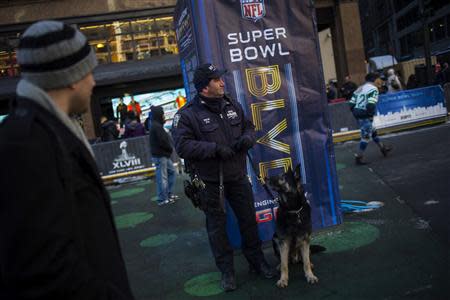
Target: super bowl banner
(271, 52)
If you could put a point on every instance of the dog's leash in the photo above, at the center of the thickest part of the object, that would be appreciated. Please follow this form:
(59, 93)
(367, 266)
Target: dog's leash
(221, 187)
(261, 180)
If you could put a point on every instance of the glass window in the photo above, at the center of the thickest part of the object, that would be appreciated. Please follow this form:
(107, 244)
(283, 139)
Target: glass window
(122, 47)
(117, 41)
(439, 29)
(167, 32)
(142, 25)
(404, 46)
(94, 32)
(400, 4)
(135, 39)
(121, 27)
(411, 17)
(8, 61)
(97, 37)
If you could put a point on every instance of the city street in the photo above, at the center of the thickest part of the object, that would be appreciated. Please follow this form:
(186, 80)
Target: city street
(399, 251)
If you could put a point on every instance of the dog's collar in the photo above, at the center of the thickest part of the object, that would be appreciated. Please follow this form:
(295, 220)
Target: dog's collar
(298, 213)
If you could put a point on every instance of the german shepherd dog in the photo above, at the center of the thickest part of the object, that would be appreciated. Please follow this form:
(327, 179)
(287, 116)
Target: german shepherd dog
(291, 241)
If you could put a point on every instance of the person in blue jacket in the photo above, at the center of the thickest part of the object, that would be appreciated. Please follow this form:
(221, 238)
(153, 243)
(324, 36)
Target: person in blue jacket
(212, 134)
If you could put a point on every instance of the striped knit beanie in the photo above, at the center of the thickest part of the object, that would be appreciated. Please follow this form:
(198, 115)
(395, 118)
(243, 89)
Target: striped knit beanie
(53, 55)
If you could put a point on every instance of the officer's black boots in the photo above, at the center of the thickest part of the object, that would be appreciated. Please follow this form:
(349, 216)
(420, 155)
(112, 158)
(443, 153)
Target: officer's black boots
(228, 282)
(264, 270)
(385, 149)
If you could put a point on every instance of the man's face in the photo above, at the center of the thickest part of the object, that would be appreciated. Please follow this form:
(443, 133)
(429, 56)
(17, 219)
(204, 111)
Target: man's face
(81, 95)
(215, 88)
(378, 83)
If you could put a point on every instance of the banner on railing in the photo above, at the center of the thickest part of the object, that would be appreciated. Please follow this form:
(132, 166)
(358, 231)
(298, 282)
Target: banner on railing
(410, 106)
(123, 156)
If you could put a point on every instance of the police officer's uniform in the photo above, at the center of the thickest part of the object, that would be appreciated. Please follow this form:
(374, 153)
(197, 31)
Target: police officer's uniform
(198, 127)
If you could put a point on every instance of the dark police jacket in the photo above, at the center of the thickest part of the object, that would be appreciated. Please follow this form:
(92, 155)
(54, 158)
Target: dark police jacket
(58, 239)
(198, 128)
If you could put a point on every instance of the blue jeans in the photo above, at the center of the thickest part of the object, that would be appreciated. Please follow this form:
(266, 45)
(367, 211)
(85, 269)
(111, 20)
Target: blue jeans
(367, 131)
(165, 177)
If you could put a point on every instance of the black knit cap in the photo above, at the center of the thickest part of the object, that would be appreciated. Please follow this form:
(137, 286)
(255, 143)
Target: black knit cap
(204, 73)
(52, 54)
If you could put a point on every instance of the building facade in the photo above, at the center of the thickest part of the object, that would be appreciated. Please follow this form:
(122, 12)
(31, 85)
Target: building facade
(135, 43)
(395, 27)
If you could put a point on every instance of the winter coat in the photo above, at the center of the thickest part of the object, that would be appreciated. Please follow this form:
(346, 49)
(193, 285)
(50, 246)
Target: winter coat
(198, 129)
(58, 238)
(134, 129)
(159, 139)
(109, 131)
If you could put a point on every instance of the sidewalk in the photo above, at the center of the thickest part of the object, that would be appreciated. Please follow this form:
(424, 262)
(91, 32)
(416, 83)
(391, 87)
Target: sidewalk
(389, 253)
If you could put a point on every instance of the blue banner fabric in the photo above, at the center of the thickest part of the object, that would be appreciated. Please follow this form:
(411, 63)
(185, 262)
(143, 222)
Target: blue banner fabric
(271, 52)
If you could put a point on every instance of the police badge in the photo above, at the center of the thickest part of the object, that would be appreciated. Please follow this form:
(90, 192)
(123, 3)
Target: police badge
(253, 9)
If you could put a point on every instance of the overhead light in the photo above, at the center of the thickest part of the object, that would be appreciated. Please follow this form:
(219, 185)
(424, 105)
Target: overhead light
(100, 45)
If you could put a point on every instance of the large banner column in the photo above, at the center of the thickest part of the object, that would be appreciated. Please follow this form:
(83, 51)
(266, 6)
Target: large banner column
(271, 52)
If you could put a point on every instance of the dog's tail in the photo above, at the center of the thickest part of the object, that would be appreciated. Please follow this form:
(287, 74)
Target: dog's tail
(316, 249)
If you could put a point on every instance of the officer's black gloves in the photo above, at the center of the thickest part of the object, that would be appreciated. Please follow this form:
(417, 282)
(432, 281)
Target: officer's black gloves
(244, 143)
(224, 152)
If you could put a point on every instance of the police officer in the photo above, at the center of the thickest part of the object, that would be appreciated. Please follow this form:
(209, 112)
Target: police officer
(213, 135)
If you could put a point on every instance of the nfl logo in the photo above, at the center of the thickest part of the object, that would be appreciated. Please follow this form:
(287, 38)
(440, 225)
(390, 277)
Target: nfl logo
(253, 9)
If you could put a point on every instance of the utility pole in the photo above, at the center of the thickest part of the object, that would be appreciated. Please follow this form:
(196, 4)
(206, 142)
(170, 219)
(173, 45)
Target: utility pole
(425, 11)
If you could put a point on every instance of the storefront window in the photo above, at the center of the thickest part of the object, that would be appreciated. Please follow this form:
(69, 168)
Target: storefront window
(97, 36)
(439, 29)
(118, 41)
(142, 25)
(121, 27)
(122, 47)
(8, 61)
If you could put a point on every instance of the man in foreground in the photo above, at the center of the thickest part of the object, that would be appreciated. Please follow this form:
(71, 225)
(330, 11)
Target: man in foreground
(58, 239)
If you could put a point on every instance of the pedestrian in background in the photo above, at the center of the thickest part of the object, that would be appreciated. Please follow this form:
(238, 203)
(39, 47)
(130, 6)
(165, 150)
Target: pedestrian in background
(348, 88)
(363, 106)
(213, 135)
(133, 128)
(109, 131)
(412, 82)
(121, 112)
(161, 149)
(393, 82)
(58, 238)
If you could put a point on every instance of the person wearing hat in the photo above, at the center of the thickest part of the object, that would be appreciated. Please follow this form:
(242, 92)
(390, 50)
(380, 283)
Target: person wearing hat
(162, 149)
(58, 237)
(213, 135)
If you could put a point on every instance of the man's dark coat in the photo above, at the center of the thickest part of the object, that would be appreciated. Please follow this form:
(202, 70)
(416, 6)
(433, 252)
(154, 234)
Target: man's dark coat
(57, 234)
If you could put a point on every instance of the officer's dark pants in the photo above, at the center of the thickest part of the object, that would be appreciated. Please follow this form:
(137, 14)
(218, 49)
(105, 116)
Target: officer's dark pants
(240, 197)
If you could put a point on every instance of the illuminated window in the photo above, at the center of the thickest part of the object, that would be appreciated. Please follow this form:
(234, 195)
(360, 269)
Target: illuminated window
(117, 41)
(8, 61)
(135, 39)
(97, 36)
